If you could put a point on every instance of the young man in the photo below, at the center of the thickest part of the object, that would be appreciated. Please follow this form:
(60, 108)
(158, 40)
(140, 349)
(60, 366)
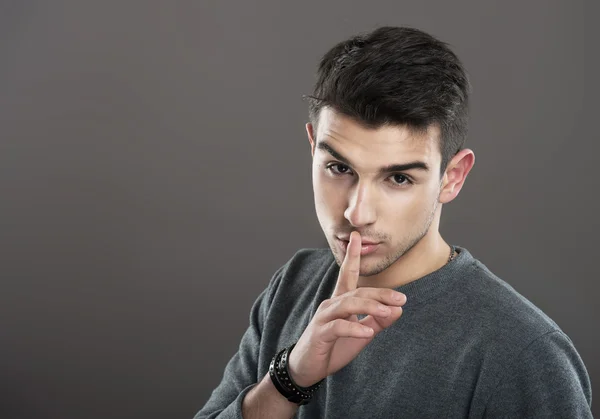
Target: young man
(391, 321)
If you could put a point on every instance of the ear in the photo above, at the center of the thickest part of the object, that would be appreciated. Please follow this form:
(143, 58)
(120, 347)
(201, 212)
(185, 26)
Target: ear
(456, 174)
(311, 138)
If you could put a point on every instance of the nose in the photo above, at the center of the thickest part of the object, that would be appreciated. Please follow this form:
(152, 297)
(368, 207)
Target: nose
(361, 209)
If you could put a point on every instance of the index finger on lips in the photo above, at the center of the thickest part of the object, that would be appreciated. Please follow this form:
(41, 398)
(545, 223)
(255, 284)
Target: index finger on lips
(350, 268)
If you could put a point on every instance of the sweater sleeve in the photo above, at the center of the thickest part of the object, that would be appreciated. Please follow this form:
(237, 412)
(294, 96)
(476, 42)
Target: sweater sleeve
(547, 379)
(240, 374)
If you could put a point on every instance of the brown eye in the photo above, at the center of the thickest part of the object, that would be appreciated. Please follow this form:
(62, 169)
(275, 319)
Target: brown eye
(338, 169)
(401, 179)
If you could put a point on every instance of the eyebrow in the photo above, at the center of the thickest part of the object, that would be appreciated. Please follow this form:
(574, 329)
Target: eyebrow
(323, 145)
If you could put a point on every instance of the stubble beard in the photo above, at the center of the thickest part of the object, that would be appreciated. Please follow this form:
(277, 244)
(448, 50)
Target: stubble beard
(406, 245)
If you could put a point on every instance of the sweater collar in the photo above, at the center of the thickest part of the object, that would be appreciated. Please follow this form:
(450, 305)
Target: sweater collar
(436, 282)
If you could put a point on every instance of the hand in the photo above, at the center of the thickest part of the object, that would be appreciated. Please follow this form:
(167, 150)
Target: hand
(335, 336)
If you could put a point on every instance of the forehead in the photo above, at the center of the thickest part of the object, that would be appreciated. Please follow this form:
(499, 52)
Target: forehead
(373, 147)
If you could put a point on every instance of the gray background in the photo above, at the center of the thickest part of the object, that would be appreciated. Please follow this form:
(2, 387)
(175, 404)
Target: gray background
(155, 172)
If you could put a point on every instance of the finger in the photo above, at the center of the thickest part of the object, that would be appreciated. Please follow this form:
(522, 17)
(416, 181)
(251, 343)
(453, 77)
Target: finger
(383, 295)
(378, 323)
(350, 269)
(346, 306)
(339, 328)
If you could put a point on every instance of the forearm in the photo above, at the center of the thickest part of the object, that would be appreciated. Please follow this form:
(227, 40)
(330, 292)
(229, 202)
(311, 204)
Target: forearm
(265, 401)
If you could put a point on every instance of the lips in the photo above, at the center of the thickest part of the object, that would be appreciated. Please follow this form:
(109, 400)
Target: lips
(366, 248)
(362, 241)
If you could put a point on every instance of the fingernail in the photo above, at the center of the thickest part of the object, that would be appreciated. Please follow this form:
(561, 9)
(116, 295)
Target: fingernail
(398, 296)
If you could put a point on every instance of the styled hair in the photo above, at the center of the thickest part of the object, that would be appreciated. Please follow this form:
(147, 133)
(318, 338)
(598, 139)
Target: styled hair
(396, 76)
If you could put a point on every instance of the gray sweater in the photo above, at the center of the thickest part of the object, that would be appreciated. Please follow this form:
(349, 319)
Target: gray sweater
(467, 345)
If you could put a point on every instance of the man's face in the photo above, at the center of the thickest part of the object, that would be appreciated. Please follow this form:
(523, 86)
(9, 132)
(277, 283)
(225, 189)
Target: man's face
(356, 187)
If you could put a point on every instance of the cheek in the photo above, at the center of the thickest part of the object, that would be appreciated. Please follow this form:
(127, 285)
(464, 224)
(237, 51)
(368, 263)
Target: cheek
(319, 187)
(317, 182)
(317, 179)
(329, 195)
(405, 208)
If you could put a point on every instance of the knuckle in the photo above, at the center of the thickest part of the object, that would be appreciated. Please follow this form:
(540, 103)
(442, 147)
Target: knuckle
(356, 292)
(324, 304)
(352, 303)
(335, 325)
(335, 303)
(374, 305)
(332, 305)
(357, 327)
(367, 292)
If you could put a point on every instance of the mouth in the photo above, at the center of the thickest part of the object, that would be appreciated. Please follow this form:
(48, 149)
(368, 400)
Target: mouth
(366, 248)
(362, 241)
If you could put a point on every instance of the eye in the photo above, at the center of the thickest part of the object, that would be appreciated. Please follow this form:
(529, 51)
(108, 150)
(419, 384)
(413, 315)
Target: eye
(401, 180)
(398, 179)
(338, 169)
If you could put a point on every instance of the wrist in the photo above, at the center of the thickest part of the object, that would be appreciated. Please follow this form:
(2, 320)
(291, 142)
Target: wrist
(265, 401)
(296, 375)
(284, 382)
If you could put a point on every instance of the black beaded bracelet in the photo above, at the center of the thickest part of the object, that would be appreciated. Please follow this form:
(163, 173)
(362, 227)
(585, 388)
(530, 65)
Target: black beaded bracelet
(280, 375)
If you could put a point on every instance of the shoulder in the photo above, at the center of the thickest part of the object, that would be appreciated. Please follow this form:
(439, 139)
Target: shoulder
(534, 361)
(300, 284)
(501, 310)
(308, 261)
(306, 269)
(547, 378)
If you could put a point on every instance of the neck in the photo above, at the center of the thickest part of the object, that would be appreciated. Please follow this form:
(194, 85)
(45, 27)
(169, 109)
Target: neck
(427, 256)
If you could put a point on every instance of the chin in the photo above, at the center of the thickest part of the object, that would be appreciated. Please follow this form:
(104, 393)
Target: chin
(373, 268)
